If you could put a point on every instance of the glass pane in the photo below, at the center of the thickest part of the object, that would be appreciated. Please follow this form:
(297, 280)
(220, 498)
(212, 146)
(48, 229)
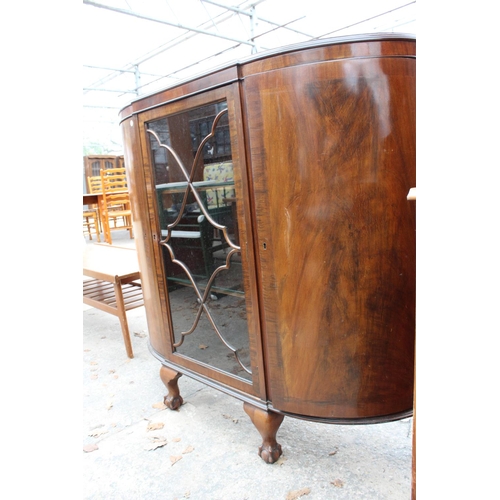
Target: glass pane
(196, 199)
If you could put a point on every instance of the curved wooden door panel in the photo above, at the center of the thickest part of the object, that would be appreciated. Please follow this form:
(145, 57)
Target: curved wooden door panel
(332, 149)
(201, 298)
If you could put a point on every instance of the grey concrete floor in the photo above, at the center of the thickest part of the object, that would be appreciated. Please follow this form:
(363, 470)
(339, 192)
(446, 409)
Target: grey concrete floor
(135, 448)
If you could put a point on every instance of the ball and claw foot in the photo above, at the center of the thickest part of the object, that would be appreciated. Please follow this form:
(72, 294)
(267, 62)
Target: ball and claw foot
(267, 423)
(270, 454)
(173, 402)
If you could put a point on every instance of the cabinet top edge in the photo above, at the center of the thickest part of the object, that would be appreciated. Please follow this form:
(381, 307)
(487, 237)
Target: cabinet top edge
(233, 71)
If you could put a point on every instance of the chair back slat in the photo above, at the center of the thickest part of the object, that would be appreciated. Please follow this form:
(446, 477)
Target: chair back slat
(94, 183)
(115, 201)
(114, 179)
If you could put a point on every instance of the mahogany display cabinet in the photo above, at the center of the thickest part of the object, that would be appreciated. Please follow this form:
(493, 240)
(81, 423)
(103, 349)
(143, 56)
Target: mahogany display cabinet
(275, 239)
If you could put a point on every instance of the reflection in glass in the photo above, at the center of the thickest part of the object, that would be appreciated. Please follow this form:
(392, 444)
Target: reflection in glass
(196, 199)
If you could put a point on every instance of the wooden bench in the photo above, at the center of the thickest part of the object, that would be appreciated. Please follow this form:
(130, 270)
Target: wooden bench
(115, 286)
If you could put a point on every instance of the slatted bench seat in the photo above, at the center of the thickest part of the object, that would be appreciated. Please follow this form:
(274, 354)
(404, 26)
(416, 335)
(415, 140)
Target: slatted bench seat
(115, 286)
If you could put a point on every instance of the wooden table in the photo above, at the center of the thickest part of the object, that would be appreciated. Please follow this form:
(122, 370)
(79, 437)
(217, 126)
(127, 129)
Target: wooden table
(98, 199)
(90, 199)
(115, 287)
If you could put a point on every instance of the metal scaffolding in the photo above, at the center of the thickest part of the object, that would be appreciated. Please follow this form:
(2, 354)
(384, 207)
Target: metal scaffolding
(137, 47)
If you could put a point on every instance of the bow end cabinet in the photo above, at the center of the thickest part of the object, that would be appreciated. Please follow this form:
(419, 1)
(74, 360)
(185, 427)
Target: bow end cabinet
(275, 240)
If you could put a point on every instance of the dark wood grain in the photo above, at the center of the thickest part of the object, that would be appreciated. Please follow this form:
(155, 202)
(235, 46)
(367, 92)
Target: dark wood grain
(332, 159)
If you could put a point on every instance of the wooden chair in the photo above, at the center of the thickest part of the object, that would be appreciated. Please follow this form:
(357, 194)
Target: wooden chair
(91, 222)
(116, 201)
(91, 219)
(94, 184)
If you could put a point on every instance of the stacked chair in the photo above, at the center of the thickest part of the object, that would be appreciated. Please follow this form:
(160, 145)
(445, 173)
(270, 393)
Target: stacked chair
(116, 201)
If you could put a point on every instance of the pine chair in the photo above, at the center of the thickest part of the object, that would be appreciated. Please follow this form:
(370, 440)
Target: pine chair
(94, 184)
(116, 201)
(91, 219)
(91, 222)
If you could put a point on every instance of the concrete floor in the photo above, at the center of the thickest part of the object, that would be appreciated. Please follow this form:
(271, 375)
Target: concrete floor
(135, 448)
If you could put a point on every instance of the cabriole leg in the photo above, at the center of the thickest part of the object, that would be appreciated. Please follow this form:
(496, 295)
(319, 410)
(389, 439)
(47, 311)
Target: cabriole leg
(267, 423)
(170, 378)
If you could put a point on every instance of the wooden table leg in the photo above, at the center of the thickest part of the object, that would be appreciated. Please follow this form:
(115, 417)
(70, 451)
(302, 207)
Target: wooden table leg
(267, 423)
(122, 315)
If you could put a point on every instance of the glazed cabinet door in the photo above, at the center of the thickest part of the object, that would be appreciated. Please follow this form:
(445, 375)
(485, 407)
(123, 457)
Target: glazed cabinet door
(332, 158)
(203, 312)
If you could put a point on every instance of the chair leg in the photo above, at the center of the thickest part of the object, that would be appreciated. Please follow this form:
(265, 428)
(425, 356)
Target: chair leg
(98, 223)
(106, 228)
(97, 230)
(87, 223)
(95, 223)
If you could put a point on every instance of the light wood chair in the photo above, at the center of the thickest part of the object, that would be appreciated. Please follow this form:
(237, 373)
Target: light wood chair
(94, 184)
(91, 223)
(116, 202)
(91, 219)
